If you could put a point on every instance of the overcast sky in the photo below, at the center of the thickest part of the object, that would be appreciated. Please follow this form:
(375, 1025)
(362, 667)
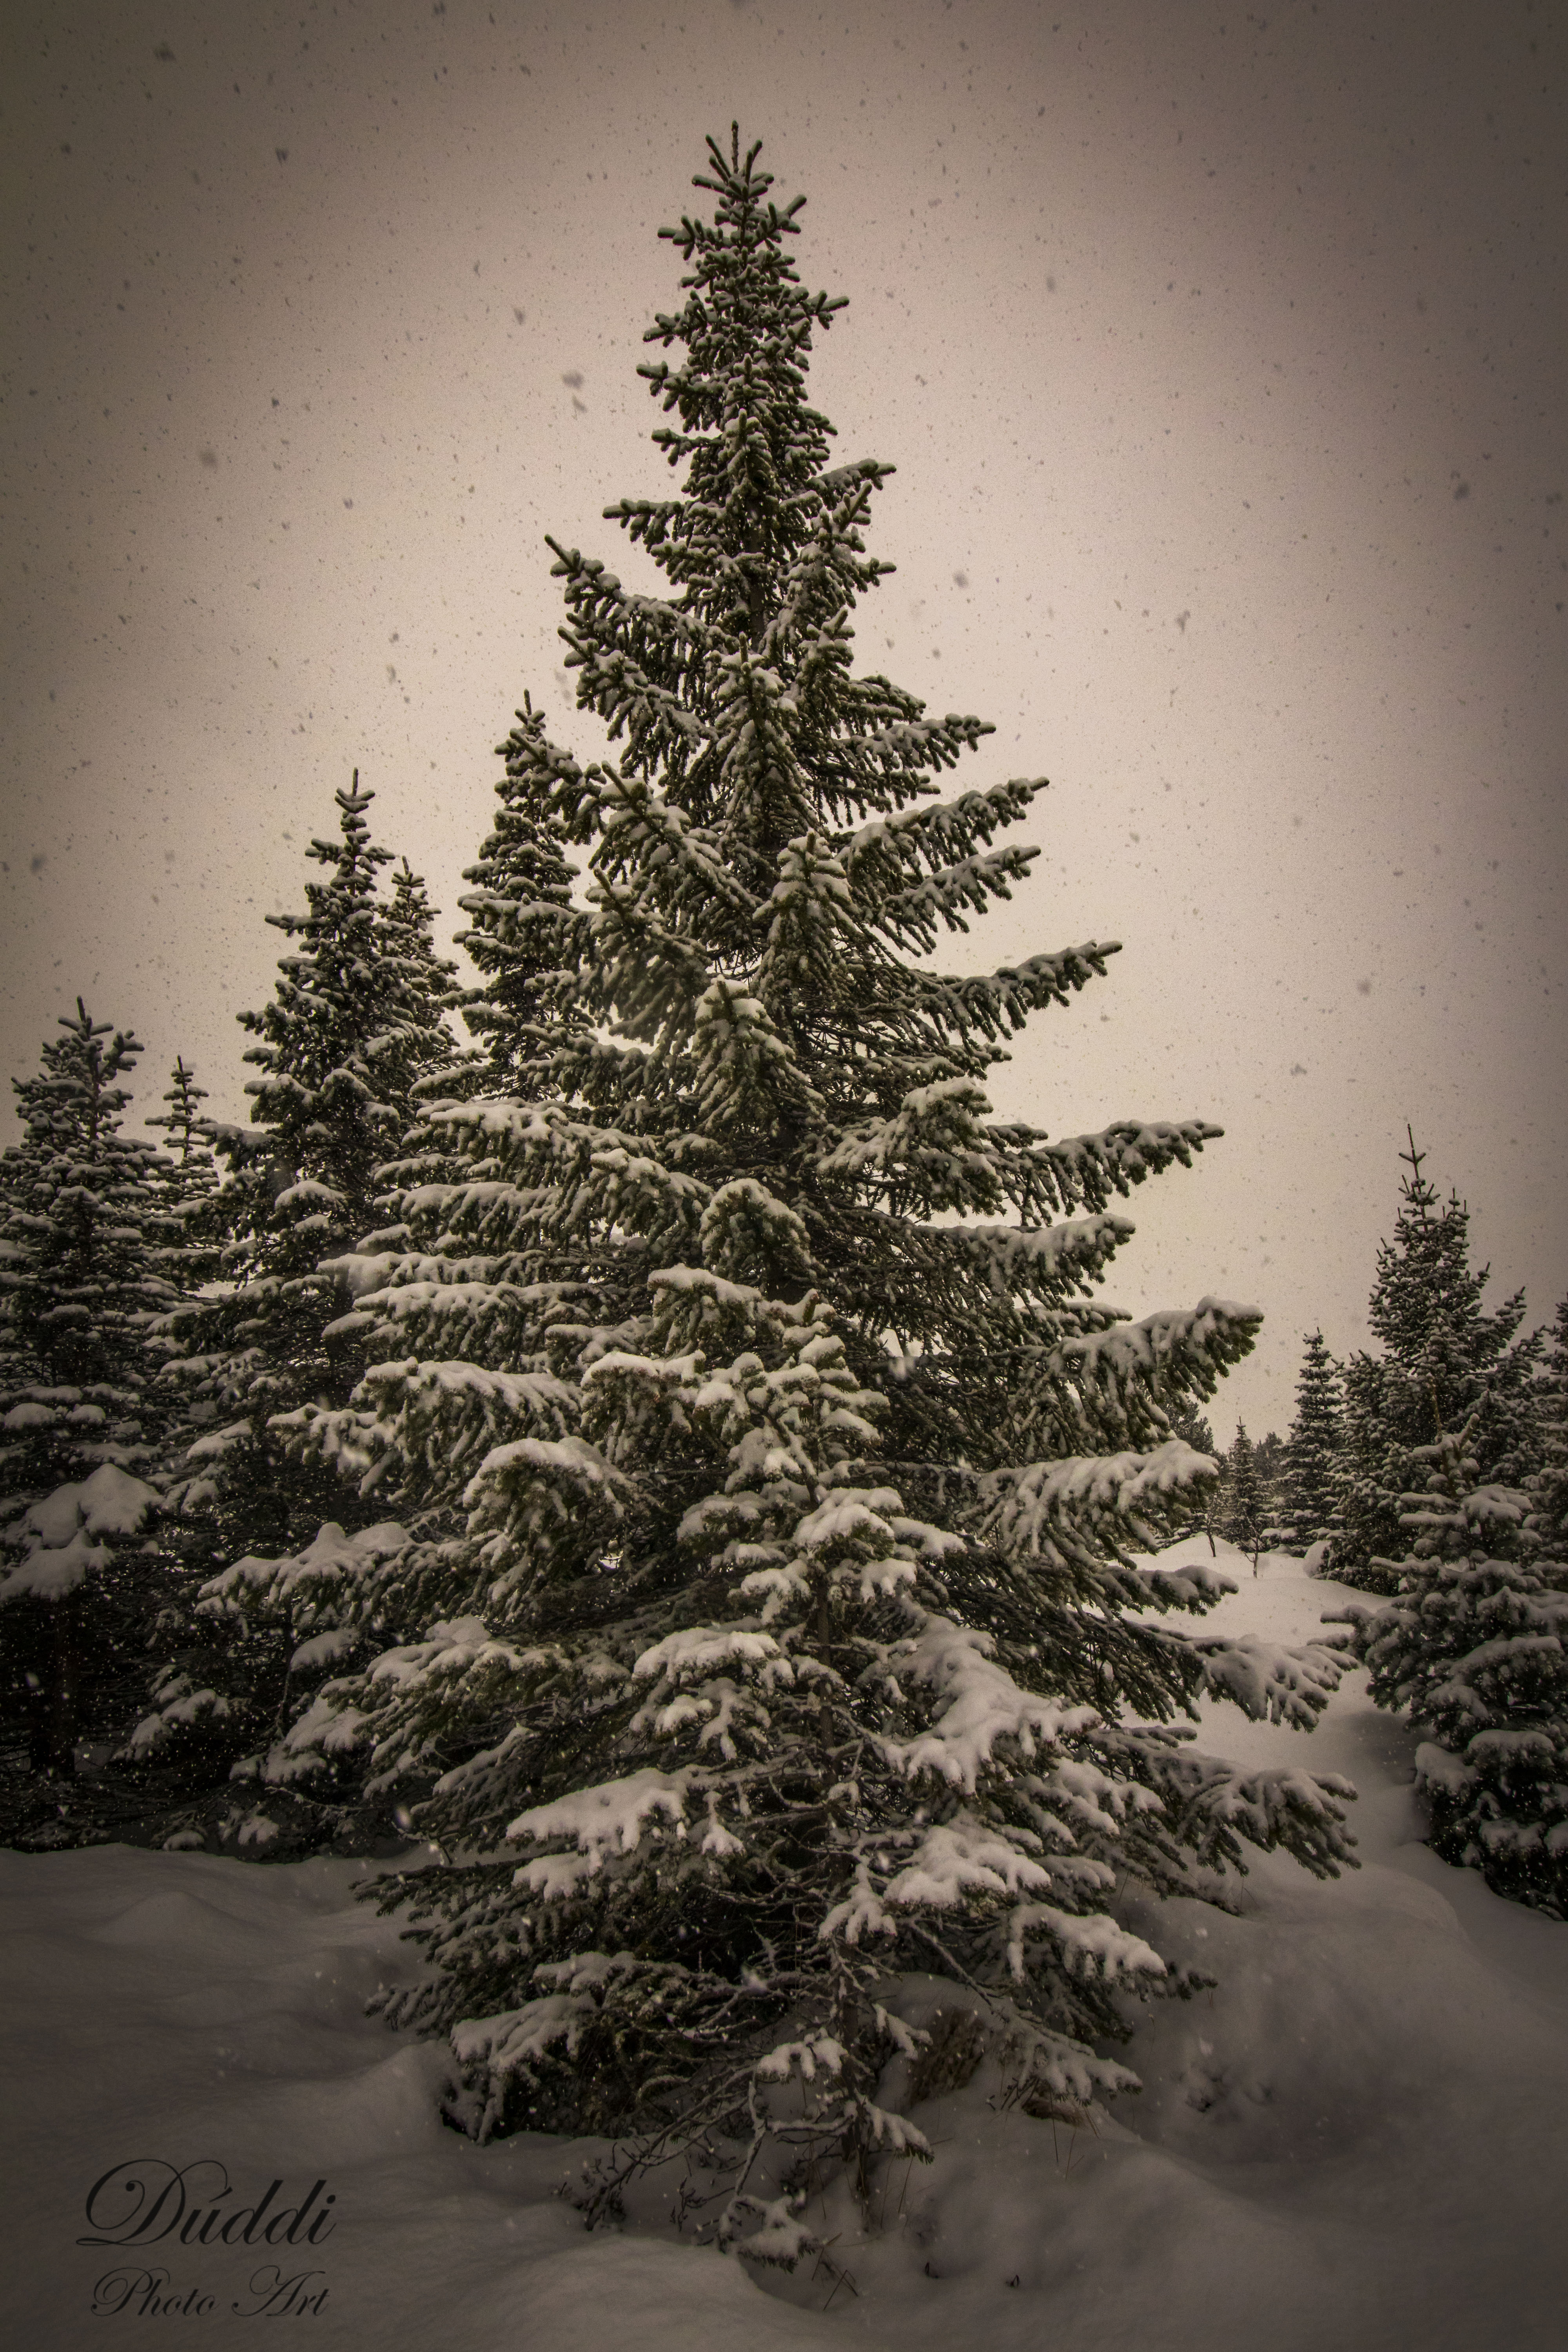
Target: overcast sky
(1221, 355)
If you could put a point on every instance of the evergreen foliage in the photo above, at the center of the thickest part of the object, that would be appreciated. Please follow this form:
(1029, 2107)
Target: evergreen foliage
(525, 935)
(190, 1176)
(1444, 1363)
(1245, 1515)
(1210, 1500)
(1475, 1646)
(1549, 1486)
(1197, 1432)
(1310, 1487)
(355, 1021)
(773, 1484)
(89, 1262)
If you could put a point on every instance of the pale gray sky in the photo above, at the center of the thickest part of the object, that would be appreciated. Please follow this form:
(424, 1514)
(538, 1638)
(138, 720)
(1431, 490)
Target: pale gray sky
(1221, 355)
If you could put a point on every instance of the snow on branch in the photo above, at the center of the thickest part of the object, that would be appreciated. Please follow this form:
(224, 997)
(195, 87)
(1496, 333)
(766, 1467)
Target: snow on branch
(1002, 1000)
(1268, 1681)
(820, 2054)
(1181, 1349)
(1043, 1261)
(1091, 1943)
(331, 1563)
(979, 1704)
(1047, 1509)
(610, 1818)
(929, 837)
(1214, 1806)
(1194, 1585)
(957, 1859)
(1088, 1168)
(59, 1550)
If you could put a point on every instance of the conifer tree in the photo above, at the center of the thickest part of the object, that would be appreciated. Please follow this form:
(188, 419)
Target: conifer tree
(1268, 1459)
(1210, 1500)
(1310, 1489)
(1244, 1520)
(1443, 1360)
(525, 935)
(190, 1174)
(1475, 1647)
(189, 1147)
(777, 1534)
(353, 1023)
(1548, 1485)
(87, 1246)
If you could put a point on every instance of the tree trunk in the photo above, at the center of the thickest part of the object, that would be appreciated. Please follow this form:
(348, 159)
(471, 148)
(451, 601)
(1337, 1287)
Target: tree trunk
(61, 1689)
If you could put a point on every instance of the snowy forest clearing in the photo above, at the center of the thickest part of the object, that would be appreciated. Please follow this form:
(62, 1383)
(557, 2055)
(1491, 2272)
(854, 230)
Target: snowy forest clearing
(1358, 2138)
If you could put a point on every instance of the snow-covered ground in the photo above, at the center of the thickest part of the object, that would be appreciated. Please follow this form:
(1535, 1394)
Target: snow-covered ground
(1360, 2139)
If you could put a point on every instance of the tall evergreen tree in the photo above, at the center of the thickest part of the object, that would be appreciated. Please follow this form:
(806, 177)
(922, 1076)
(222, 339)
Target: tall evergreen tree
(778, 1533)
(353, 1023)
(1444, 1362)
(86, 1245)
(1308, 1499)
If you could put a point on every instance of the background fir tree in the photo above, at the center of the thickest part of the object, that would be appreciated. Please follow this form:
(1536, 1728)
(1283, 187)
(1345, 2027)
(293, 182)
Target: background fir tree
(1210, 1501)
(463, 1280)
(1475, 1648)
(193, 1215)
(778, 1541)
(88, 1261)
(1310, 1485)
(1245, 1515)
(1268, 1461)
(1549, 1484)
(525, 935)
(1444, 1364)
(355, 1021)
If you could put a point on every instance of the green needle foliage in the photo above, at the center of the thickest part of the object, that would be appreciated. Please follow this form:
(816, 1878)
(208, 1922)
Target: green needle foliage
(1444, 1363)
(776, 1490)
(355, 1021)
(89, 1262)
(1312, 1482)
(1474, 1646)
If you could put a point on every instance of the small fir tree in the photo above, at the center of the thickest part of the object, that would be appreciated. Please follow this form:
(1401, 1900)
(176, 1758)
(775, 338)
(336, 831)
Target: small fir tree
(1310, 1485)
(1475, 1648)
(353, 1023)
(1245, 1516)
(776, 1531)
(87, 1260)
(526, 936)
(1211, 1500)
(1443, 1362)
(191, 1178)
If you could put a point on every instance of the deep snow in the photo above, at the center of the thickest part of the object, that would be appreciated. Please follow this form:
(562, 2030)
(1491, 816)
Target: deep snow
(1360, 2138)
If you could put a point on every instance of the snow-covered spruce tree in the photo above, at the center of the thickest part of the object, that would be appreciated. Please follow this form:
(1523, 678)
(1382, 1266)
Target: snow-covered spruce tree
(89, 1256)
(526, 936)
(792, 1634)
(1245, 1516)
(1548, 1486)
(195, 1217)
(459, 1293)
(1309, 1494)
(1211, 1500)
(1475, 1647)
(354, 1021)
(1442, 1359)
